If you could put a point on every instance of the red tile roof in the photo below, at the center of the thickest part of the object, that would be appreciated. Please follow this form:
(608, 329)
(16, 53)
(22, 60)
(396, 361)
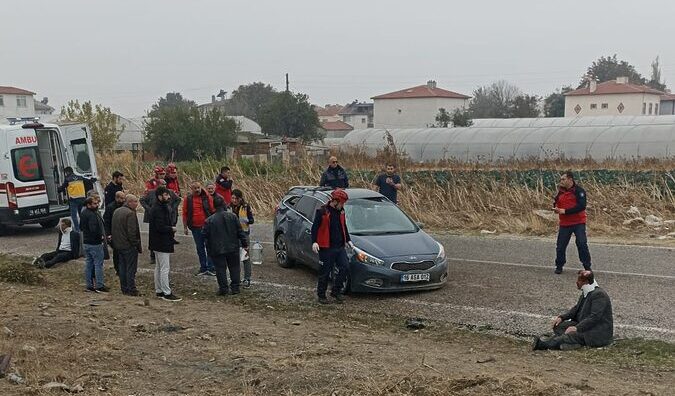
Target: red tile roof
(328, 111)
(422, 91)
(336, 126)
(14, 91)
(668, 97)
(612, 87)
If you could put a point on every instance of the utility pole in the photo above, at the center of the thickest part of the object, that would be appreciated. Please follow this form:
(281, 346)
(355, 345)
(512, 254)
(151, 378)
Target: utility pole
(286, 82)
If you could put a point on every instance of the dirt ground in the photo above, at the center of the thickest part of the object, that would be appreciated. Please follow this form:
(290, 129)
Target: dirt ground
(249, 344)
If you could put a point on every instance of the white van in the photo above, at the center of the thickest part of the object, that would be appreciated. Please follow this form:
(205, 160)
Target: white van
(32, 159)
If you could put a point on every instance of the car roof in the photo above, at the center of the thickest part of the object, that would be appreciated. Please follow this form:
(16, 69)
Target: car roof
(353, 193)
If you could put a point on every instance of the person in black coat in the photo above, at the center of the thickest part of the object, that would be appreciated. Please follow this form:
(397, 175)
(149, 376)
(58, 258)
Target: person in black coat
(161, 241)
(110, 208)
(113, 187)
(335, 176)
(224, 236)
(67, 247)
(589, 323)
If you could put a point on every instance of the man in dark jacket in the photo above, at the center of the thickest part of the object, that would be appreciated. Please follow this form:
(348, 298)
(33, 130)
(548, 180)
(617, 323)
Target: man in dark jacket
(329, 239)
(589, 323)
(113, 187)
(126, 237)
(335, 176)
(107, 222)
(388, 183)
(93, 241)
(161, 241)
(245, 215)
(570, 204)
(197, 207)
(150, 199)
(67, 247)
(224, 236)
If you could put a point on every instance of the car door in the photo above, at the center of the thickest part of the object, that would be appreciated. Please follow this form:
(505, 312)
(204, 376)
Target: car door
(304, 238)
(77, 142)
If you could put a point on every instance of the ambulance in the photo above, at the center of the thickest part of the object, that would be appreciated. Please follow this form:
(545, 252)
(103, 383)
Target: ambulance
(32, 158)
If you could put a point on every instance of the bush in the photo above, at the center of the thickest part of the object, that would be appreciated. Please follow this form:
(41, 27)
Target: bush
(18, 269)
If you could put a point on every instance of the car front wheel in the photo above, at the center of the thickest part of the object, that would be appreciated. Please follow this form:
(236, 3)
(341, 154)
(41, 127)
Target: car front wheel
(281, 251)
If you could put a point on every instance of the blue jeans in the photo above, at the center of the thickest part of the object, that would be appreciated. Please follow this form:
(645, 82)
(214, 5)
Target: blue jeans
(76, 206)
(205, 263)
(564, 236)
(93, 265)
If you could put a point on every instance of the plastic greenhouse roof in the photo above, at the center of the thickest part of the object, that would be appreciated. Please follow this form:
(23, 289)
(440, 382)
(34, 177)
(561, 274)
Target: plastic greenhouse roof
(491, 140)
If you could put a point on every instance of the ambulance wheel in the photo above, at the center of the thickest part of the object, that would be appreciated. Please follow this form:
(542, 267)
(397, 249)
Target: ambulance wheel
(49, 223)
(281, 251)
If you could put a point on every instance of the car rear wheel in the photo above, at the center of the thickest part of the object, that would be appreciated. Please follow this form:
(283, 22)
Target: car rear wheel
(49, 223)
(281, 251)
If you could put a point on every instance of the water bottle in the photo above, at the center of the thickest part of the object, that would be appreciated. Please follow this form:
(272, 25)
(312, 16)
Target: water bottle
(256, 253)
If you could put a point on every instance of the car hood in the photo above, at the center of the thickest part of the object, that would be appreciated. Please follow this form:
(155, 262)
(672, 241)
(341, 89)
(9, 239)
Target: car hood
(396, 245)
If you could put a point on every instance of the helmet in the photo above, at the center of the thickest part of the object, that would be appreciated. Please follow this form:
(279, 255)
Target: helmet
(171, 168)
(339, 195)
(159, 169)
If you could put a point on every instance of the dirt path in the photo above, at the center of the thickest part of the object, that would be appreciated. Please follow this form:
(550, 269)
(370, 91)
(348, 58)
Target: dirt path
(250, 344)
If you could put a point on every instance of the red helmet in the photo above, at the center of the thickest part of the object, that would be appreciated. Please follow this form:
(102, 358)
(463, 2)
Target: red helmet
(339, 195)
(171, 168)
(159, 169)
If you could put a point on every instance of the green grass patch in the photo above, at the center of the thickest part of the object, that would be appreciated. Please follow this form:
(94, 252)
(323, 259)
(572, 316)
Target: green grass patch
(634, 352)
(18, 269)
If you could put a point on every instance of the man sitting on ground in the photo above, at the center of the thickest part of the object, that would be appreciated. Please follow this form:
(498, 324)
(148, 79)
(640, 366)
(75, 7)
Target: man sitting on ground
(589, 323)
(67, 247)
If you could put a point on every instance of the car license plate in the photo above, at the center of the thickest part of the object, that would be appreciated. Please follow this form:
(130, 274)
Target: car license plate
(415, 277)
(36, 211)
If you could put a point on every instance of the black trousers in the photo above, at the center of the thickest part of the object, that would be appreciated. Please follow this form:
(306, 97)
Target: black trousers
(127, 266)
(564, 236)
(330, 259)
(223, 263)
(561, 338)
(58, 256)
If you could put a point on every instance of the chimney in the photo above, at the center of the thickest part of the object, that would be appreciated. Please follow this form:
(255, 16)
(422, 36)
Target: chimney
(622, 80)
(44, 100)
(592, 85)
(431, 84)
(213, 98)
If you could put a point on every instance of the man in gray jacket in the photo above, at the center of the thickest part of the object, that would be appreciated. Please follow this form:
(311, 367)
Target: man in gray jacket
(126, 241)
(223, 235)
(589, 323)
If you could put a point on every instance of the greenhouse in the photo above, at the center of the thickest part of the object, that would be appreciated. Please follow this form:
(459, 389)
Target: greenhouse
(494, 140)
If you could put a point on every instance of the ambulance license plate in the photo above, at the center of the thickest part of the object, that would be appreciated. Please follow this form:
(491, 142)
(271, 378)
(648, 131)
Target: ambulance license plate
(36, 211)
(415, 277)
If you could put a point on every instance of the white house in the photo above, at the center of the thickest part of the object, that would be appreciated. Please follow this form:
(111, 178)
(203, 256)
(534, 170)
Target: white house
(616, 97)
(16, 102)
(415, 107)
(358, 115)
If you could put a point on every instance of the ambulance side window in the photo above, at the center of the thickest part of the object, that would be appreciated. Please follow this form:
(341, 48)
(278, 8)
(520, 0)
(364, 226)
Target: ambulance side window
(81, 154)
(26, 164)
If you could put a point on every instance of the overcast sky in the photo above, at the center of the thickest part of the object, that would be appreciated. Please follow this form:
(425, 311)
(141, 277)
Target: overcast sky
(127, 53)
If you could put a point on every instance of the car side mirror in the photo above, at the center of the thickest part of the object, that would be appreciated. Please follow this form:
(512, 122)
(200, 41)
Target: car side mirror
(420, 225)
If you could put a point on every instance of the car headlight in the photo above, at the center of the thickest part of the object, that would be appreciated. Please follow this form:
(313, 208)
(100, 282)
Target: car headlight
(366, 258)
(441, 253)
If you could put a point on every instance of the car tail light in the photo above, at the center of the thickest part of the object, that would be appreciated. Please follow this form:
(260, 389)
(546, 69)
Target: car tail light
(11, 196)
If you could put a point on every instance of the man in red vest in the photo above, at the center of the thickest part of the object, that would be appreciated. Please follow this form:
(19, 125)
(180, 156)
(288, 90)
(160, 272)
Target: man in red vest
(197, 207)
(570, 204)
(224, 185)
(329, 238)
(172, 178)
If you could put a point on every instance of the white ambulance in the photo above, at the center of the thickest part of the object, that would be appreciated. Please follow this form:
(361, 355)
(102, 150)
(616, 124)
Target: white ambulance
(32, 159)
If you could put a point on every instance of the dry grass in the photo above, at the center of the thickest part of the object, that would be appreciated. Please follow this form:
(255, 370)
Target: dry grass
(471, 198)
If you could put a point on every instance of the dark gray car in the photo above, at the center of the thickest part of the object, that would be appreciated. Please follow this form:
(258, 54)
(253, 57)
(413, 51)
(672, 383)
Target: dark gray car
(391, 252)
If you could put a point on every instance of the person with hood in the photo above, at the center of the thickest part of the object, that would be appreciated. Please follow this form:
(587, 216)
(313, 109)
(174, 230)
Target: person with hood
(197, 207)
(245, 216)
(335, 176)
(224, 184)
(67, 247)
(588, 324)
(113, 187)
(126, 237)
(570, 205)
(329, 239)
(161, 241)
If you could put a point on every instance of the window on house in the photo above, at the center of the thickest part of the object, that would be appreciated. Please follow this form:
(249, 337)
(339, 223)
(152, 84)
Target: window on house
(605, 105)
(656, 108)
(594, 106)
(20, 101)
(644, 108)
(363, 120)
(651, 107)
(2, 101)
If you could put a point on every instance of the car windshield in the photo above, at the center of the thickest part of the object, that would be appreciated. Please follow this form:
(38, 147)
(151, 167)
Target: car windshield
(376, 216)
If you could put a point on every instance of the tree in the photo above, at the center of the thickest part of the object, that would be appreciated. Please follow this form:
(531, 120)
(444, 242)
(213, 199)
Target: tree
(101, 121)
(493, 101)
(250, 100)
(179, 129)
(171, 100)
(608, 68)
(290, 115)
(525, 106)
(461, 118)
(554, 104)
(443, 118)
(655, 79)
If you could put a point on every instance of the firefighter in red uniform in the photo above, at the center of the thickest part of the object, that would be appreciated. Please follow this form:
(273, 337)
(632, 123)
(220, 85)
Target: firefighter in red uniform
(172, 178)
(329, 238)
(152, 184)
(570, 204)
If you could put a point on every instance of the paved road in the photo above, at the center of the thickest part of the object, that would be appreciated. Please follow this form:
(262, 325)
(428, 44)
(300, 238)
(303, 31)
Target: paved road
(496, 284)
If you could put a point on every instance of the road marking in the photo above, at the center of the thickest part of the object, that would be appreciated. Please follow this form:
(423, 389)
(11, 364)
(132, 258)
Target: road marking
(541, 266)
